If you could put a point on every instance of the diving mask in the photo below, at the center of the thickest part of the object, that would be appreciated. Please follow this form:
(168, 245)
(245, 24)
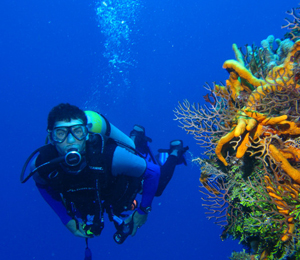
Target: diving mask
(59, 134)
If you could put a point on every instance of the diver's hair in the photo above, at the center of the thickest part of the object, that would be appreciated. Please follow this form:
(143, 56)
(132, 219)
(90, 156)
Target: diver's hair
(65, 112)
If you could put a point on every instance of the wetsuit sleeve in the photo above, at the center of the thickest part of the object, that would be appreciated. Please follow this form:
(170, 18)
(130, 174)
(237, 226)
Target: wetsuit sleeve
(151, 179)
(51, 196)
(56, 205)
(125, 162)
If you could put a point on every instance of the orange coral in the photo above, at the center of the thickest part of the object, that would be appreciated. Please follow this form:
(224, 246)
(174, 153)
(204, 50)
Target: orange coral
(257, 111)
(285, 165)
(225, 139)
(247, 119)
(250, 125)
(253, 122)
(204, 180)
(242, 72)
(282, 206)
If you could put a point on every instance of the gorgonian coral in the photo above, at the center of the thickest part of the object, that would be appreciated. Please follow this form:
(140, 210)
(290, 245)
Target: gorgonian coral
(250, 129)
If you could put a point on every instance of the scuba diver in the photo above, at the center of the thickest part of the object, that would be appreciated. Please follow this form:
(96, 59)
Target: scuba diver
(88, 167)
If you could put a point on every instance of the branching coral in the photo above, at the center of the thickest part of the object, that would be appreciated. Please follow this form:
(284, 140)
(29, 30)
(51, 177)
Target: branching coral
(250, 129)
(293, 25)
(208, 123)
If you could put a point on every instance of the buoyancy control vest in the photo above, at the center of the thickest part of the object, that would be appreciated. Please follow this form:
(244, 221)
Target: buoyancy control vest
(93, 188)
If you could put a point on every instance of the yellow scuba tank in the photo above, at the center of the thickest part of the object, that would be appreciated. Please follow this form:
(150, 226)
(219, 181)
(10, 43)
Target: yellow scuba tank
(99, 124)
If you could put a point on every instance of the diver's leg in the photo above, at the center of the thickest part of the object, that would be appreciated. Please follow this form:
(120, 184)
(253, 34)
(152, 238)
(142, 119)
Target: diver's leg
(166, 173)
(176, 156)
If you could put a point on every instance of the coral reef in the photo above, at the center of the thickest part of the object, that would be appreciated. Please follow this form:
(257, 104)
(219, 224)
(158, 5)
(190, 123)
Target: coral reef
(250, 129)
(241, 256)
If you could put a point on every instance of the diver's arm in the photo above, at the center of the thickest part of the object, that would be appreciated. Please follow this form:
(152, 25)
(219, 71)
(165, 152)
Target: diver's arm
(56, 204)
(77, 229)
(74, 226)
(52, 197)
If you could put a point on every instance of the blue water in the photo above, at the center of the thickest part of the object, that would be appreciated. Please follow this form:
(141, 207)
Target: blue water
(133, 64)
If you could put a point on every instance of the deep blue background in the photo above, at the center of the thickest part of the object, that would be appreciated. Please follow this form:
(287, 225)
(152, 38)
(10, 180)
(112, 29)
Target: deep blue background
(51, 52)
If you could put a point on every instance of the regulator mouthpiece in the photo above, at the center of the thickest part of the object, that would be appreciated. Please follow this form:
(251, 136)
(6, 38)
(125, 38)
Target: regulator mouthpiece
(73, 157)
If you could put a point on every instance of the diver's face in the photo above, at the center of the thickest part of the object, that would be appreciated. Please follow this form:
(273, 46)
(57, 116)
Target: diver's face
(70, 142)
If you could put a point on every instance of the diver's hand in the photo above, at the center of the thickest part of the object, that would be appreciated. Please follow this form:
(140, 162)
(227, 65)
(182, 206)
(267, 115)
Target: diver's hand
(71, 225)
(138, 221)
